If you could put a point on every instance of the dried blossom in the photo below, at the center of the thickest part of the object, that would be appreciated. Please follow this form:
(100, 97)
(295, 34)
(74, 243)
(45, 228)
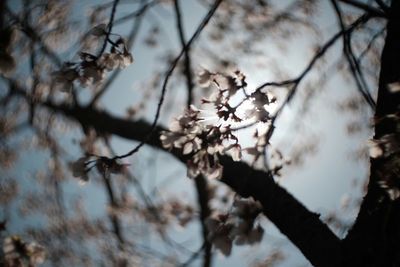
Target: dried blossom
(79, 169)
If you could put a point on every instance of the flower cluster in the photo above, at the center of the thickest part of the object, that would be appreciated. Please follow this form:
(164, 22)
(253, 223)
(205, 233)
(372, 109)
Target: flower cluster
(91, 69)
(104, 165)
(202, 141)
(237, 227)
(228, 86)
(19, 253)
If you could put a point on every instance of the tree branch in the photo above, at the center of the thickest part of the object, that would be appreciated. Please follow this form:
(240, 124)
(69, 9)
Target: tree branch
(370, 9)
(132, 35)
(377, 225)
(188, 64)
(168, 76)
(300, 225)
(351, 59)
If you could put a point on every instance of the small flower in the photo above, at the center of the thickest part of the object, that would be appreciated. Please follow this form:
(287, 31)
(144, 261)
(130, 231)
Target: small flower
(108, 61)
(169, 139)
(36, 253)
(106, 166)
(127, 60)
(78, 167)
(374, 149)
(260, 99)
(205, 78)
(215, 172)
(91, 73)
(394, 87)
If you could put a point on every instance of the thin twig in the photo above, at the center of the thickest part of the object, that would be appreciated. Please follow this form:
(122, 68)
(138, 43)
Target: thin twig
(129, 43)
(109, 28)
(188, 64)
(168, 75)
(351, 59)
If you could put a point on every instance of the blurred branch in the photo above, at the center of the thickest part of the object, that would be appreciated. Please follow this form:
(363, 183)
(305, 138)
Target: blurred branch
(200, 181)
(137, 13)
(131, 39)
(109, 28)
(370, 44)
(113, 217)
(202, 198)
(295, 82)
(35, 37)
(301, 226)
(370, 9)
(188, 64)
(168, 75)
(382, 5)
(351, 59)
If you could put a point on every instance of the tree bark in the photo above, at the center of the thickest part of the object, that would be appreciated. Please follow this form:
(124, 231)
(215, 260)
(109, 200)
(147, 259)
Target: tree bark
(374, 238)
(303, 227)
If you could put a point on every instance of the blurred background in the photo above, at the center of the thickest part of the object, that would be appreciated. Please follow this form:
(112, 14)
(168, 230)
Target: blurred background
(149, 214)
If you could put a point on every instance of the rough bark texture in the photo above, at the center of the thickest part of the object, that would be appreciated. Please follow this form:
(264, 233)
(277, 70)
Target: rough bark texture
(374, 238)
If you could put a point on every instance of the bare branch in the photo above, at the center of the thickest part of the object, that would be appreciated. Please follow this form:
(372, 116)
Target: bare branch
(169, 73)
(188, 67)
(301, 226)
(370, 9)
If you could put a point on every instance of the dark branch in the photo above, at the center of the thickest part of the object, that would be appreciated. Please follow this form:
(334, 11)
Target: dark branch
(370, 9)
(129, 43)
(351, 59)
(300, 225)
(377, 225)
(109, 28)
(168, 75)
(188, 64)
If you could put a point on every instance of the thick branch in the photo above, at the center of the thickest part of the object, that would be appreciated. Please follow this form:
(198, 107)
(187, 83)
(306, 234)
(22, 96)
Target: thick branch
(375, 235)
(294, 220)
(188, 64)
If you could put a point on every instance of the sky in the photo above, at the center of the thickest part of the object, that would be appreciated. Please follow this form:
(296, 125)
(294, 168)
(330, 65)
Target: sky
(327, 177)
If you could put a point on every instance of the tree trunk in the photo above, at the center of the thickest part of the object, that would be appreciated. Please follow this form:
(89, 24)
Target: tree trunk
(374, 238)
